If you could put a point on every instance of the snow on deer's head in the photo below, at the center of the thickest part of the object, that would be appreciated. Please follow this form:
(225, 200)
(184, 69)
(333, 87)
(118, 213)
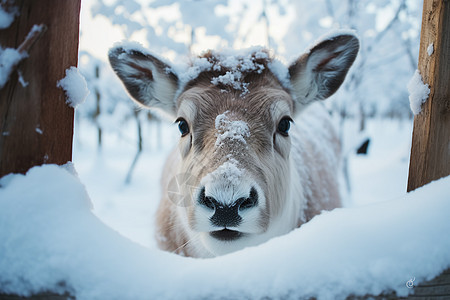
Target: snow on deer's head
(234, 114)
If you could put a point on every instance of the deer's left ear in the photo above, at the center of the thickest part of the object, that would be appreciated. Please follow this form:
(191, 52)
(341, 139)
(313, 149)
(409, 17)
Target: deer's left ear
(149, 81)
(317, 74)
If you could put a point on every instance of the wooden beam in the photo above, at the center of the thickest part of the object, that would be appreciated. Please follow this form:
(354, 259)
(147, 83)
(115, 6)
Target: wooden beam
(36, 124)
(430, 151)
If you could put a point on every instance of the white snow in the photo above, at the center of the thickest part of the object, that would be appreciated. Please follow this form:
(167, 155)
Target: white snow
(430, 49)
(229, 172)
(9, 58)
(236, 130)
(186, 74)
(333, 34)
(130, 46)
(6, 18)
(75, 87)
(418, 92)
(49, 239)
(237, 61)
(281, 71)
(229, 78)
(35, 29)
(22, 81)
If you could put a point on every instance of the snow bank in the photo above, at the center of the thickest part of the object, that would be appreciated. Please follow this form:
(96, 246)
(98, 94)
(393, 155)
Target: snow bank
(75, 87)
(49, 239)
(418, 92)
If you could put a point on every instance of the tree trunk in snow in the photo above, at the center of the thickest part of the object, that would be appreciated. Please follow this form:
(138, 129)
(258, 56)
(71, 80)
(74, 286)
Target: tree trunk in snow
(36, 123)
(98, 109)
(139, 148)
(430, 151)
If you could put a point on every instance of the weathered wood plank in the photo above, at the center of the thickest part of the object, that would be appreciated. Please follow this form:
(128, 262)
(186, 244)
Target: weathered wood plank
(36, 125)
(436, 290)
(443, 279)
(430, 151)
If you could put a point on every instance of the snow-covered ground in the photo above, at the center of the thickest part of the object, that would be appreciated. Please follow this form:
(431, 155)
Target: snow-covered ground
(50, 239)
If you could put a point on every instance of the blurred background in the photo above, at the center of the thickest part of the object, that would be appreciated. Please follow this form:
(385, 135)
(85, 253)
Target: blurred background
(119, 150)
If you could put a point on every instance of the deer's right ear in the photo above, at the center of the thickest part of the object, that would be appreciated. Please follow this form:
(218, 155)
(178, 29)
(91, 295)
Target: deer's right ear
(317, 74)
(149, 81)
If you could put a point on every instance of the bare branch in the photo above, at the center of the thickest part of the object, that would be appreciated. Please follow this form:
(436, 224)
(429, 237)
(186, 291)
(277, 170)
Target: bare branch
(388, 27)
(34, 34)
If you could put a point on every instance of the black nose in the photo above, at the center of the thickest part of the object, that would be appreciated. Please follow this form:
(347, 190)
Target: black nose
(228, 215)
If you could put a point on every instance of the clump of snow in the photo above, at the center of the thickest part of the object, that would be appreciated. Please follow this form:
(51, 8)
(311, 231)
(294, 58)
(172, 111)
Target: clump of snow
(75, 87)
(418, 92)
(199, 65)
(430, 49)
(229, 172)
(237, 64)
(236, 130)
(244, 59)
(7, 17)
(50, 240)
(230, 78)
(9, 58)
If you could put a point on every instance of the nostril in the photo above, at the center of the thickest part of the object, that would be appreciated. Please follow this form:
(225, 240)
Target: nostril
(249, 202)
(208, 202)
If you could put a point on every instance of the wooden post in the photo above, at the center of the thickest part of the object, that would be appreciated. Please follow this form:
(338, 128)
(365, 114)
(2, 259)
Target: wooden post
(36, 124)
(430, 151)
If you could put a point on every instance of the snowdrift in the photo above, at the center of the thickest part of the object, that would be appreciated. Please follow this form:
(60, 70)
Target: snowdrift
(50, 240)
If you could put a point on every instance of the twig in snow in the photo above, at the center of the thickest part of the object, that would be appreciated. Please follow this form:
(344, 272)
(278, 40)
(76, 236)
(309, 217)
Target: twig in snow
(34, 34)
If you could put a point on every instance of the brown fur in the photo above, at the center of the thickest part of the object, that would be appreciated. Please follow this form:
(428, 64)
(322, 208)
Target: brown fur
(321, 189)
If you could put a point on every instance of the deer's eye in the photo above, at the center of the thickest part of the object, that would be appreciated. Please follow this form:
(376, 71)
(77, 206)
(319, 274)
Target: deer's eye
(182, 126)
(284, 125)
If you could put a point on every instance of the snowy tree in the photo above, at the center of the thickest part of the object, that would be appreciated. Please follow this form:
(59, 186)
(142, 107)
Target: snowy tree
(388, 30)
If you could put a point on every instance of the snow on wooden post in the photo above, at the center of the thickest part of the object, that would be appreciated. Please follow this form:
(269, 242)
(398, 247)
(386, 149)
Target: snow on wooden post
(430, 151)
(36, 123)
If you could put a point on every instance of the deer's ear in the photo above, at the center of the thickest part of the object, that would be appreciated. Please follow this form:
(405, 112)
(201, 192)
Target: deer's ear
(148, 80)
(317, 74)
